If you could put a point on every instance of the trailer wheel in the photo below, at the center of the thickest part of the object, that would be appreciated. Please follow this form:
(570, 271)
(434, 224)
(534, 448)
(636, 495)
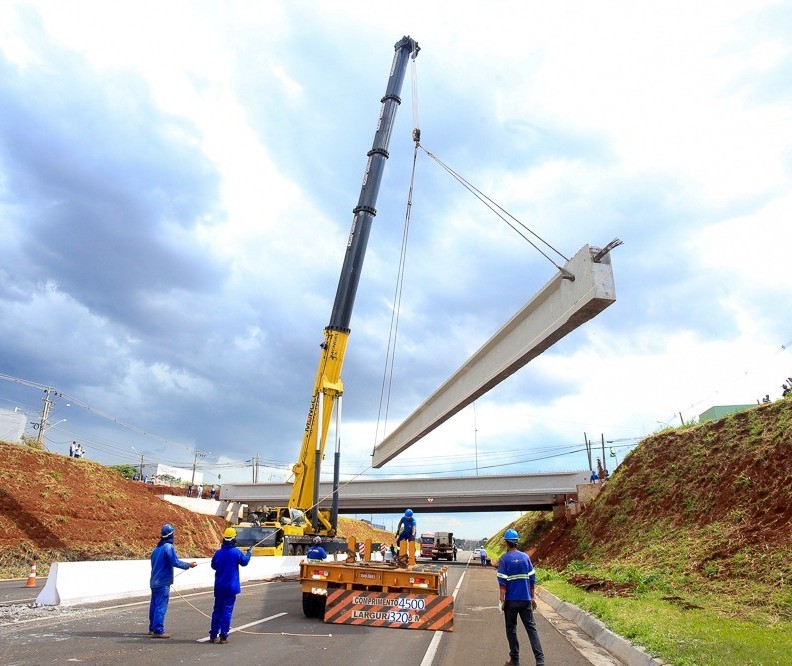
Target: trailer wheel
(313, 605)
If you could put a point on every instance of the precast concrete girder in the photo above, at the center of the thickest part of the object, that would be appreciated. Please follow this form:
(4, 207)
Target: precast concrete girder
(558, 308)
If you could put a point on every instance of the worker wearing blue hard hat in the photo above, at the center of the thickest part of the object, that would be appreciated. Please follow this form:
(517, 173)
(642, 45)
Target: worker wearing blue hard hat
(407, 527)
(163, 560)
(517, 580)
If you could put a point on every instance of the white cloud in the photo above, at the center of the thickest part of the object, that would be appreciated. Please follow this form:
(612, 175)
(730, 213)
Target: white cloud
(665, 125)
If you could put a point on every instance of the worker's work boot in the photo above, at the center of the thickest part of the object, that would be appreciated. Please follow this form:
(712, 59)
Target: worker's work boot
(160, 635)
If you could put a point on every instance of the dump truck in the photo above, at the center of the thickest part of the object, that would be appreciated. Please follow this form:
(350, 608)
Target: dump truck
(443, 548)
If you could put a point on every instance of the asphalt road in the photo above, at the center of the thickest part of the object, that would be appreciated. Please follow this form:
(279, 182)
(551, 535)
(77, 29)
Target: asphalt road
(269, 626)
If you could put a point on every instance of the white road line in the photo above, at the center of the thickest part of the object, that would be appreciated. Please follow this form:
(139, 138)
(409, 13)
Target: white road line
(205, 639)
(175, 596)
(432, 649)
(85, 610)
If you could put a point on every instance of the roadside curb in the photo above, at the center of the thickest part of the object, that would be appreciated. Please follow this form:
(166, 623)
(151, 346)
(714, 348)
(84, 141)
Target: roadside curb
(619, 647)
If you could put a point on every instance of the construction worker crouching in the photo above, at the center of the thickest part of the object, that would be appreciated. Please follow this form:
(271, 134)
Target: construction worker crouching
(407, 527)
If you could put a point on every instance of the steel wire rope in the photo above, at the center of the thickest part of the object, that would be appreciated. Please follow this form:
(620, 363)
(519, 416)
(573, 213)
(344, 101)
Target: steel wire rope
(244, 631)
(501, 212)
(390, 352)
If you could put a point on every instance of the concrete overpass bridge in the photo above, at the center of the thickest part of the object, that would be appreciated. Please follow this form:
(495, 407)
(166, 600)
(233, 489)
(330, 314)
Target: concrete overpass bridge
(513, 492)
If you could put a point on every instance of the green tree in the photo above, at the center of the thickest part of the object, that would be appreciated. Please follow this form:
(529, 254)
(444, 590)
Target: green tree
(127, 471)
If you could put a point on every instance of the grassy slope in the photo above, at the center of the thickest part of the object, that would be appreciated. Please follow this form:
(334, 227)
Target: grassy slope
(698, 520)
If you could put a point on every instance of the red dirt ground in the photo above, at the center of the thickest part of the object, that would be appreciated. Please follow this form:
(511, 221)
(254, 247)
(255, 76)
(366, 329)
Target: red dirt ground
(56, 508)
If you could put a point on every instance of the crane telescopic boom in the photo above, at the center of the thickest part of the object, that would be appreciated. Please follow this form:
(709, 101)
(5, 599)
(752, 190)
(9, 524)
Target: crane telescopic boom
(328, 385)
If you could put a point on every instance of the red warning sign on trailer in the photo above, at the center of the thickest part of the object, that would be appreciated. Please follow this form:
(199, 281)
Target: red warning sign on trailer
(394, 610)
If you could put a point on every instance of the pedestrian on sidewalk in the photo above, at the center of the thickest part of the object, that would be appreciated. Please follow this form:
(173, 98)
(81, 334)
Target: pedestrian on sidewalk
(517, 581)
(163, 559)
(226, 562)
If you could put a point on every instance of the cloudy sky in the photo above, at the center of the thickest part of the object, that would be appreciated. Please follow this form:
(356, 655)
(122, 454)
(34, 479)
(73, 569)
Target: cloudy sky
(176, 188)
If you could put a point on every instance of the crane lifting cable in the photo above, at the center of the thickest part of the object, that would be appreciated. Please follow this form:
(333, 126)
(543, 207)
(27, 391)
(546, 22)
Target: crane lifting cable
(502, 213)
(390, 352)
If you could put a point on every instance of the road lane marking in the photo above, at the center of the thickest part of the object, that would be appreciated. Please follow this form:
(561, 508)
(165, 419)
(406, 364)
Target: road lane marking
(83, 609)
(432, 649)
(205, 639)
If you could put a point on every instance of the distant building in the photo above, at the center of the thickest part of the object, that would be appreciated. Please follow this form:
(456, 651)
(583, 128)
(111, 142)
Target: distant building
(12, 425)
(185, 475)
(719, 411)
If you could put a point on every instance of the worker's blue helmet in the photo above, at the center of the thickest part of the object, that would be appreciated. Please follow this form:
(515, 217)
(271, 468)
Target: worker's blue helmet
(511, 535)
(167, 530)
(317, 539)
(408, 513)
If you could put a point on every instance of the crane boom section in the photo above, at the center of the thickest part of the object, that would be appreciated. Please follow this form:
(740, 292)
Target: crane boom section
(328, 385)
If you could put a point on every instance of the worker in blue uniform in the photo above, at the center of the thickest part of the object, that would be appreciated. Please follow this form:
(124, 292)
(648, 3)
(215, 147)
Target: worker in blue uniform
(316, 552)
(163, 559)
(517, 580)
(226, 562)
(407, 527)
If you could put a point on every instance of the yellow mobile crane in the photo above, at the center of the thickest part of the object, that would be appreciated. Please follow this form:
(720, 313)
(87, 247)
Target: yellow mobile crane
(289, 530)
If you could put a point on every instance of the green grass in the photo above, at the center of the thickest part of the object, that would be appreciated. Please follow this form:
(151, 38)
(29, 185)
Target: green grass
(709, 636)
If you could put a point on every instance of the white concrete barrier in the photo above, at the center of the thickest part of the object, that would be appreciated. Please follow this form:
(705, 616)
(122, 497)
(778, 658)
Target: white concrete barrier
(231, 511)
(71, 583)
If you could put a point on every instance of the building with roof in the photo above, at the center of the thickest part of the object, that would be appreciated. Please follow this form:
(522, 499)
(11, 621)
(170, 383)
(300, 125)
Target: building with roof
(718, 412)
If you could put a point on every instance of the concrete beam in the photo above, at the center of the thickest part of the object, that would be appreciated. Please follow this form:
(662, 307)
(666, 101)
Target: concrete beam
(511, 492)
(556, 310)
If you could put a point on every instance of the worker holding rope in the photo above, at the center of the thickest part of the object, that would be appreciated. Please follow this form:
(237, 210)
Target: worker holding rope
(163, 560)
(226, 562)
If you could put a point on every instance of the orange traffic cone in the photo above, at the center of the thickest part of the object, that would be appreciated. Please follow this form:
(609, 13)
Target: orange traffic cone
(31, 579)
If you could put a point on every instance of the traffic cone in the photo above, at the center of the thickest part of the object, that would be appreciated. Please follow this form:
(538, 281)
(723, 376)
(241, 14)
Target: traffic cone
(31, 579)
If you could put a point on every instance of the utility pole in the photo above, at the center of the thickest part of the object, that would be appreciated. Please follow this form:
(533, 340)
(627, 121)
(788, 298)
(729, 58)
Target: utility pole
(588, 450)
(44, 414)
(201, 454)
(604, 462)
(141, 467)
(255, 460)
